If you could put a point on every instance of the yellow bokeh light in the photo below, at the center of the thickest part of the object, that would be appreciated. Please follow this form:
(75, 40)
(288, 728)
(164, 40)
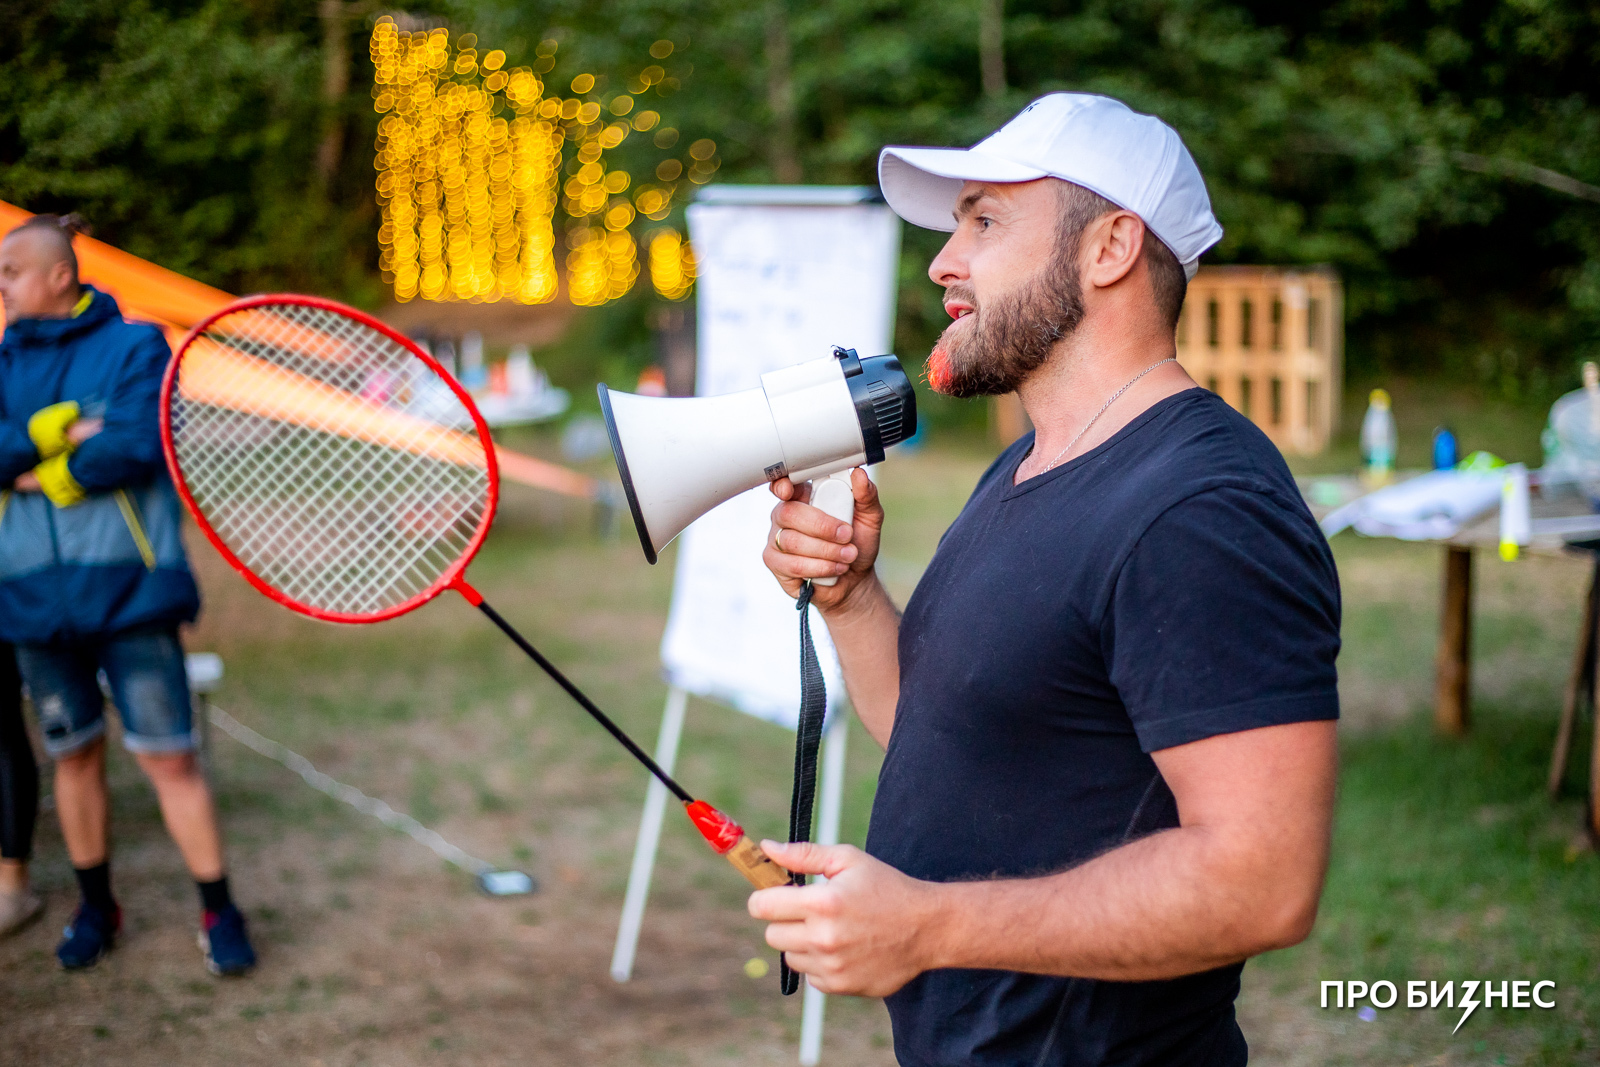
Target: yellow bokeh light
(650, 199)
(619, 217)
(703, 149)
(672, 266)
(602, 265)
(470, 162)
(701, 173)
(467, 196)
(661, 50)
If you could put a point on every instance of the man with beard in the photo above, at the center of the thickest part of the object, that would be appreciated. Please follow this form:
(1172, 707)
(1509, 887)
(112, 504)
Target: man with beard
(1109, 707)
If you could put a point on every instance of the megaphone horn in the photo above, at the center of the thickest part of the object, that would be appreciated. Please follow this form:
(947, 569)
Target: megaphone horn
(681, 457)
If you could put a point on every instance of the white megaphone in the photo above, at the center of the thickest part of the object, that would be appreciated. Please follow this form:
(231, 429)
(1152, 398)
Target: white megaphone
(681, 457)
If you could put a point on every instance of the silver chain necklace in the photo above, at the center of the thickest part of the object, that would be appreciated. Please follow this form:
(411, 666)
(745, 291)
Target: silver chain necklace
(1103, 408)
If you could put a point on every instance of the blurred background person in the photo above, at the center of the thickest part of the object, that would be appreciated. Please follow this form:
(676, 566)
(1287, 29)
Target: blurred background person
(94, 578)
(19, 804)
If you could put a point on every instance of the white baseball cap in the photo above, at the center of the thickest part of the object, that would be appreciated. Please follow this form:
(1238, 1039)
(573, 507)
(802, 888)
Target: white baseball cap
(1135, 161)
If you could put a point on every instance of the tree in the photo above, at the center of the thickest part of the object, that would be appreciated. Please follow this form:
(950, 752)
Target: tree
(188, 134)
(1445, 156)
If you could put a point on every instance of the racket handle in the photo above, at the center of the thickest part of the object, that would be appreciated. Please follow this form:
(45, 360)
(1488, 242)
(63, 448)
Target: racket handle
(835, 496)
(759, 870)
(727, 838)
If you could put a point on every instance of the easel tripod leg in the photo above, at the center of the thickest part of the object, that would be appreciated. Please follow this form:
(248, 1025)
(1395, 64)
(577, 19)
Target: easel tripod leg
(1577, 681)
(833, 765)
(644, 850)
(1594, 757)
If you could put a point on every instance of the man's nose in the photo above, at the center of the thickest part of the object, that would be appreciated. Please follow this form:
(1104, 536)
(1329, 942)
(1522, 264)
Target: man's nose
(950, 265)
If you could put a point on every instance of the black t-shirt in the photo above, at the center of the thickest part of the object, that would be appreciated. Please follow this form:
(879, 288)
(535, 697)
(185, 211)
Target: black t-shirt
(1168, 586)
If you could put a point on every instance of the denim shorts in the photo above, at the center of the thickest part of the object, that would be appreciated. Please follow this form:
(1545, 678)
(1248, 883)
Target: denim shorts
(144, 669)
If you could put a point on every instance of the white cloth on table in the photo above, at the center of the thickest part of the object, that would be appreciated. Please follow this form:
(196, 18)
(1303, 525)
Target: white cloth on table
(1430, 507)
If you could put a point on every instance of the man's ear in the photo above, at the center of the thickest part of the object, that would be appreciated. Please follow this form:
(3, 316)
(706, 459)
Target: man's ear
(61, 280)
(1115, 243)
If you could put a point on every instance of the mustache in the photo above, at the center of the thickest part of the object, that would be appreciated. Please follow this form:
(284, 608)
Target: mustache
(964, 292)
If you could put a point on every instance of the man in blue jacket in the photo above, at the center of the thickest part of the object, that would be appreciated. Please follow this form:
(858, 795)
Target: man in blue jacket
(93, 576)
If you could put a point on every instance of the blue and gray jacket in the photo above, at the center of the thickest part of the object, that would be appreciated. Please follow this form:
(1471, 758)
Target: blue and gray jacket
(116, 559)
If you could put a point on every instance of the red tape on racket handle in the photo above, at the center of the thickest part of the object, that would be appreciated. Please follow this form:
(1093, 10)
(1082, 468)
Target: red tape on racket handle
(727, 838)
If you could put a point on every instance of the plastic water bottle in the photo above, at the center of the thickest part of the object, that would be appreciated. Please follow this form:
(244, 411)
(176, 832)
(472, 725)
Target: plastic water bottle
(1444, 449)
(1378, 440)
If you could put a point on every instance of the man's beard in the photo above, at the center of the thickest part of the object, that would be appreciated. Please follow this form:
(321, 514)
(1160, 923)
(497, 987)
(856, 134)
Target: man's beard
(1011, 336)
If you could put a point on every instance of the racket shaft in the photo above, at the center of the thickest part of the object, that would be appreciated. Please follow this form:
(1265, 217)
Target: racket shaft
(588, 705)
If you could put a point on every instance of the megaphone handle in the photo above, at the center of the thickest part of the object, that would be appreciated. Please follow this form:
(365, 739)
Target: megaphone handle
(834, 495)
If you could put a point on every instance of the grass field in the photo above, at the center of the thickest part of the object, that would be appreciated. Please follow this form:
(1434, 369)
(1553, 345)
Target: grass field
(1449, 863)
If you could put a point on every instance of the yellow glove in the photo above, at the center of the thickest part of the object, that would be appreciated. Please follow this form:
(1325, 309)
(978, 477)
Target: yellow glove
(48, 428)
(57, 482)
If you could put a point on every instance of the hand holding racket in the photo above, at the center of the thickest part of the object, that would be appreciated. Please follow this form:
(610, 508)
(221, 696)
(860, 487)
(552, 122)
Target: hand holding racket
(336, 466)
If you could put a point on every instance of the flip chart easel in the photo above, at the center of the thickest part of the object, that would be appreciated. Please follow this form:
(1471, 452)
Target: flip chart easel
(785, 273)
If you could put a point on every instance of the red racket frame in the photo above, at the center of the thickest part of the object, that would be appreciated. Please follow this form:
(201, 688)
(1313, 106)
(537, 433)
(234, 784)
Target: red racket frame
(723, 834)
(452, 578)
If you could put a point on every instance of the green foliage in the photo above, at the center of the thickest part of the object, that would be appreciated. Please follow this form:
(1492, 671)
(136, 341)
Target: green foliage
(186, 133)
(1395, 140)
(1413, 145)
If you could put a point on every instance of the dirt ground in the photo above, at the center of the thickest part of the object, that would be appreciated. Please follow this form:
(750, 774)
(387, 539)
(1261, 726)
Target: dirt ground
(374, 952)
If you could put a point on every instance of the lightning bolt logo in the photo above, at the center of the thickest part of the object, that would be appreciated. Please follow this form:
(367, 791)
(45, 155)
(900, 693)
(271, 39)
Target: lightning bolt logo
(1469, 1001)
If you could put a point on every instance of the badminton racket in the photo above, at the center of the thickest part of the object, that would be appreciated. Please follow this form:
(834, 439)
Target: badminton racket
(349, 477)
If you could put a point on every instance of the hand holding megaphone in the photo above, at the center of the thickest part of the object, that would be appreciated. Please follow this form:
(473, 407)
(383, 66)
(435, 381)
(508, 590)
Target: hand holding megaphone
(820, 526)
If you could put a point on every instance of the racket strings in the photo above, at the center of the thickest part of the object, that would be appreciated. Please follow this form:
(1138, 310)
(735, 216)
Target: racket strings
(327, 457)
(308, 521)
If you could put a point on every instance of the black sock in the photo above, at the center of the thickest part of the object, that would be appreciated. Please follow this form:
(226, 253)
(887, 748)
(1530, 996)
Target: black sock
(94, 884)
(214, 896)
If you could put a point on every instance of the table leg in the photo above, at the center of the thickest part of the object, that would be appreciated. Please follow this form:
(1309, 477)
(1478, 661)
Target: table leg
(1577, 681)
(1452, 692)
(1594, 745)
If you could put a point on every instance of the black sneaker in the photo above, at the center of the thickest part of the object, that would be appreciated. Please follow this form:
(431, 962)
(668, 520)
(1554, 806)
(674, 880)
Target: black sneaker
(225, 943)
(88, 937)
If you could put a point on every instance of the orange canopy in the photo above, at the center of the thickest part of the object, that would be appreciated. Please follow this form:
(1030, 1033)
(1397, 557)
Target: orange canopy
(175, 303)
